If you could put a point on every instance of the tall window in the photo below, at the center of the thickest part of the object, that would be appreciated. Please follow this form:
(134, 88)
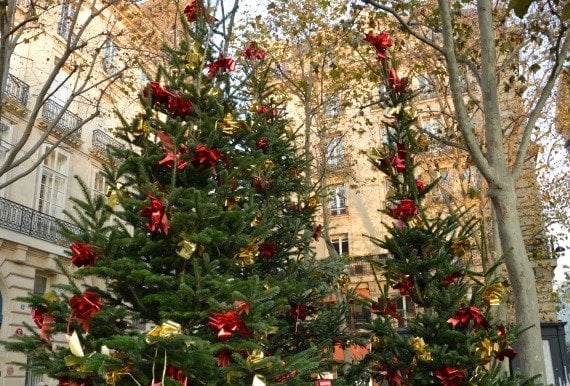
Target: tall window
(407, 309)
(60, 89)
(337, 202)
(65, 20)
(40, 284)
(109, 57)
(427, 86)
(53, 183)
(335, 153)
(340, 244)
(99, 184)
(4, 147)
(332, 106)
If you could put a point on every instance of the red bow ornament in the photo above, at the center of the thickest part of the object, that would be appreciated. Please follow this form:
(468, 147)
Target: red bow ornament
(175, 373)
(82, 255)
(404, 286)
(204, 157)
(253, 52)
(221, 65)
(405, 210)
(386, 307)
(380, 42)
(156, 215)
(84, 307)
(44, 323)
(226, 324)
(397, 84)
(464, 315)
(449, 376)
(173, 158)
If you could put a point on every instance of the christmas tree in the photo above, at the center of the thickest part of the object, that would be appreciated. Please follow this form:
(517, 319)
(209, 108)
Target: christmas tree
(451, 340)
(204, 237)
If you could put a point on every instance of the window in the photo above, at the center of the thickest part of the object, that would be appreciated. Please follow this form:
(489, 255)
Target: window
(332, 106)
(359, 316)
(4, 147)
(53, 183)
(280, 70)
(335, 153)
(144, 78)
(65, 20)
(31, 378)
(60, 89)
(99, 184)
(40, 284)
(359, 267)
(109, 57)
(407, 310)
(337, 202)
(340, 244)
(427, 86)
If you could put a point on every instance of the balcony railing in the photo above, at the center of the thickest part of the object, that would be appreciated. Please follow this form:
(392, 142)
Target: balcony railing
(357, 268)
(339, 211)
(68, 121)
(17, 89)
(100, 141)
(30, 222)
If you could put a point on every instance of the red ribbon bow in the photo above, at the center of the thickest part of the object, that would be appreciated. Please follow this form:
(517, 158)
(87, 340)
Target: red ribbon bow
(449, 376)
(464, 315)
(397, 84)
(172, 158)
(221, 65)
(204, 157)
(380, 42)
(156, 215)
(226, 324)
(84, 307)
(82, 255)
(405, 210)
(253, 52)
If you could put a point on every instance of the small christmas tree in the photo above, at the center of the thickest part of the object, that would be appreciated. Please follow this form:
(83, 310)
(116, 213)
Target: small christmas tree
(451, 340)
(204, 238)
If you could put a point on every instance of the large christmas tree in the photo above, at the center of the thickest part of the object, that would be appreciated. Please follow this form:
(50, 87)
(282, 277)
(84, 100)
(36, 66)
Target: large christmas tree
(204, 238)
(451, 340)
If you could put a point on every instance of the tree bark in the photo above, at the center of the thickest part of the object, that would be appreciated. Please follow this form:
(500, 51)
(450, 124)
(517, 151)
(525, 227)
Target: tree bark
(521, 276)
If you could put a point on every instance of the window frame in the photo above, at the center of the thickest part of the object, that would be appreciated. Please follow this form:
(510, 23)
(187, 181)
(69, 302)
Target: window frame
(52, 207)
(337, 200)
(336, 154)
(340, 242)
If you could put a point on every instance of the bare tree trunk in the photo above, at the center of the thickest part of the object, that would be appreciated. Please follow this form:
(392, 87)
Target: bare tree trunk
(521, 275)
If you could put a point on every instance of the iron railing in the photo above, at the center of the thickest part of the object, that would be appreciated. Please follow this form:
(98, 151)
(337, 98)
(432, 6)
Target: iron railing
(68, 121)
(101, 141)
(357, 268)
(17, 89)
(30, 222)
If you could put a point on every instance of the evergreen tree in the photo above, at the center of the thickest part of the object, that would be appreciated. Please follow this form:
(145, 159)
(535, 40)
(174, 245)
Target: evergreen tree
(451, 340)
(204, 237)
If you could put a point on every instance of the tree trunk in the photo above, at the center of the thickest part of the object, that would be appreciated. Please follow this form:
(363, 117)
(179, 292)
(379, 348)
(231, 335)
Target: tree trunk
(521, 276)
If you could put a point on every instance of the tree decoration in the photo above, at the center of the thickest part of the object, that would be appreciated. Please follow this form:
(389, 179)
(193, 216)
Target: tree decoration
(44, 321)
(380, 42)
(398, 85)
(226, 324)
(465, 315)
(166, 330)
(84, 308)
(223, 64)
(247, 254)
(268, 248)
(262, 143)
(82, 255)
(405, 210)
(253, 52)
(156, 215)
(173, 157)
(449, 376)
(205, 157)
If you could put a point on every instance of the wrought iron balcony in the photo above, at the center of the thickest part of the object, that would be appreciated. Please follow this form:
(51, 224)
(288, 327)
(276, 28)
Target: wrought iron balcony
(30, 222)
(100, 141)
(68, 121)
(17, 89)
(359, 267)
